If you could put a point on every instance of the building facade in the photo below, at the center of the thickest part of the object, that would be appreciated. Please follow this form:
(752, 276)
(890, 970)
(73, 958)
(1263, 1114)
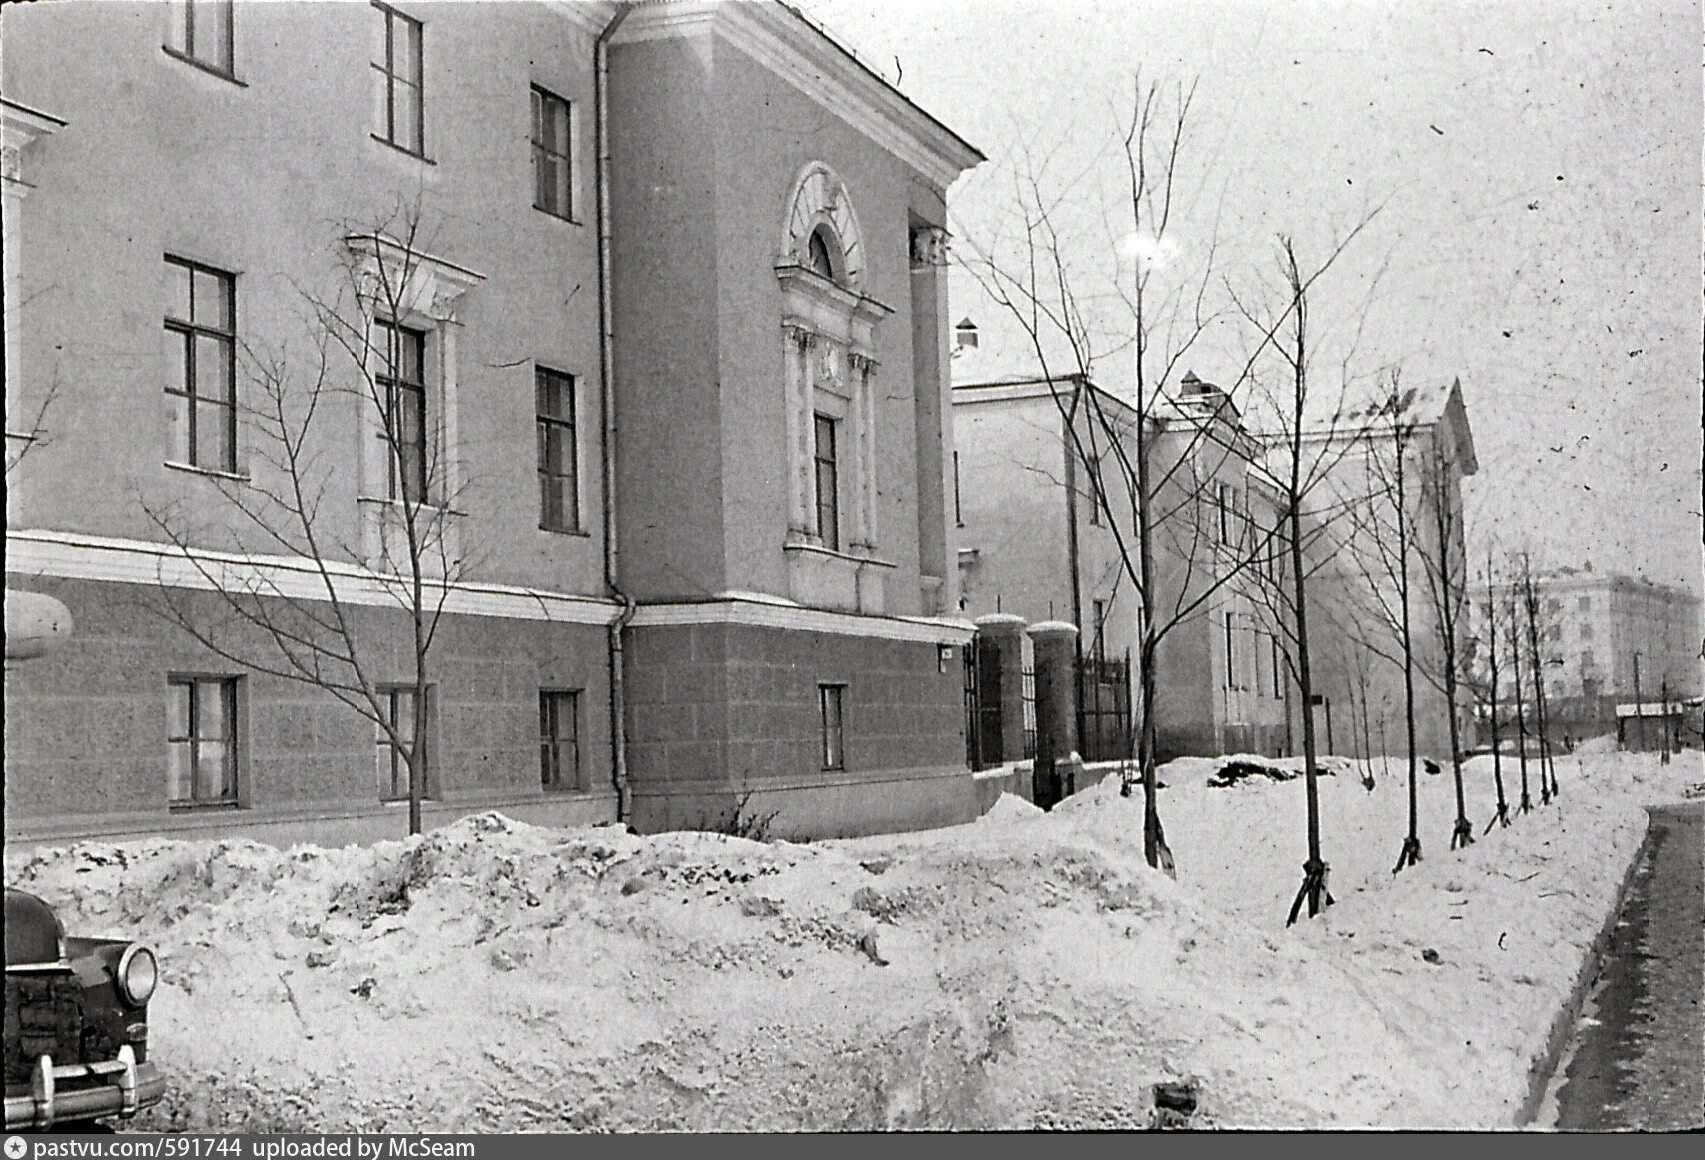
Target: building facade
(1604, 638)
(666, 320)
(1358, 564)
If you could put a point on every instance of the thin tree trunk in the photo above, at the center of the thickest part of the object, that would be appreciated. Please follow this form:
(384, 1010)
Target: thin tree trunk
(1526, 804)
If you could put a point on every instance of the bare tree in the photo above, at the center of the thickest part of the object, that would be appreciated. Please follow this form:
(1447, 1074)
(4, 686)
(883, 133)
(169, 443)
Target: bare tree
(1530, 604)
(1161, 314)
(1302, 455)
(1444, 568)
(361, 368)
(1483, 679)
(1382, 552)
(1526, 803)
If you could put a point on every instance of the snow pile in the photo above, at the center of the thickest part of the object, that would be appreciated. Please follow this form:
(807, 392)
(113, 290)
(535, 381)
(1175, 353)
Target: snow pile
(1009, 807)
(1025, 972)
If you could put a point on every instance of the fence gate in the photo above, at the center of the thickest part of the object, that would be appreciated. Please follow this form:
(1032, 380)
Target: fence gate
(1104, 708)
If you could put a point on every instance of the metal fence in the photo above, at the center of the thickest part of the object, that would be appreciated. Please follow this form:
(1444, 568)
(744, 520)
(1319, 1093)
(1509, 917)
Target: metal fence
(1028, 686)
(1104, 708)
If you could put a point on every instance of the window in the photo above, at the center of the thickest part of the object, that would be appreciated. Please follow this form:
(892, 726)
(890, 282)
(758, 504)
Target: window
(1230, 654)
(1092, 464)
(559, 739)
(1225, 513)
(201, 737)
(553, 153)
(828, 484)
(1278, 662)
(1586, 630)
(830, 702)
(397, 105)
(1586, 661)
(201, 32)
(958, 511)
(817, 250)
(559, 461)
(1099, 646)
(1584, 603)
(391, 762)
(201, 374)
(401, 380)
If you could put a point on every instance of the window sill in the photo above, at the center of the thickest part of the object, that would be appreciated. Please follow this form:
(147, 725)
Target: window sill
(563, 790)
(576, 533)
(202, 807)
(564, 219)
(204, 66)
(424, 506)
(406, 152)
(215, 473)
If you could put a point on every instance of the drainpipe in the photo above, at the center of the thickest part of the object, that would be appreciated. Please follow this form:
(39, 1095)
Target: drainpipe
(607, 383)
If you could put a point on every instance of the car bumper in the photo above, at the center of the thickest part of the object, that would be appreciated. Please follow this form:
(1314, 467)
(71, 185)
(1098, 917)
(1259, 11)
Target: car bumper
(125, 1087)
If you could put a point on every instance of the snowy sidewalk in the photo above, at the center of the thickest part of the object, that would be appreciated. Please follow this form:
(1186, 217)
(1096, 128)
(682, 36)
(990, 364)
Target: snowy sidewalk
(1015, 972)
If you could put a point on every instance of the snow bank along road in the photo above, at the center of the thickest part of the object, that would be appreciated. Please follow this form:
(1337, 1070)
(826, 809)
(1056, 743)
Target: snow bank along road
(1025, 970)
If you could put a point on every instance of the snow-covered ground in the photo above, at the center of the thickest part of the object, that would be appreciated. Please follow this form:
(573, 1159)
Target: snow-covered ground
(1024, 970)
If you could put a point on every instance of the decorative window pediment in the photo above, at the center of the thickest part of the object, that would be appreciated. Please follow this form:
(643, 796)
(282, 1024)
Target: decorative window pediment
(819, 211)
(392, 272)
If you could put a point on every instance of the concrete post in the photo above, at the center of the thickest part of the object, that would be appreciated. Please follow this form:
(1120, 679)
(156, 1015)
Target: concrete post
(1000, 679)
(1054, 644)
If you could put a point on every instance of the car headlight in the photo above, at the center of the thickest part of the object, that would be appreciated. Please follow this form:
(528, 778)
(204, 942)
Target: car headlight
(138, 974)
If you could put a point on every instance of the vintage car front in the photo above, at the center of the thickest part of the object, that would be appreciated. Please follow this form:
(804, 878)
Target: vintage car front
(76, 1022)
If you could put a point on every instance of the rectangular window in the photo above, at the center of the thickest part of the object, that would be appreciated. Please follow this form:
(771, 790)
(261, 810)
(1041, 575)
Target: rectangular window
(390, 761)
(1584, 603)
(958, 510)
(1278, 662)
(1092, 492)
(401, 379)
(1225, 513)
(201, 374)
(1098, 648)
(559, 739)
(830, 700)
(553, 154)
(828, 484)
(201, 31)
(1230, 654)
(201, 741)
(398, 117)
(559, 460)
(1586, 661)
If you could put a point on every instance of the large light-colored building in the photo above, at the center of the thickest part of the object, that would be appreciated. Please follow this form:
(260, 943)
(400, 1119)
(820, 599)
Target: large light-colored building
(759, 352)
(1047, 532)
(1604, 638)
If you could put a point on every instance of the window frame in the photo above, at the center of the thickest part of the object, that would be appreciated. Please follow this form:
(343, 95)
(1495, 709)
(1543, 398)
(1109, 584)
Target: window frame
(382, 743)
(181, 26)
(392, 80)
(390, 382)
(1092, 468)
(552, 702)
(832, 751)
(568, 442)
(189, 331)
(541, 101)
(829, 508)
(231, 797)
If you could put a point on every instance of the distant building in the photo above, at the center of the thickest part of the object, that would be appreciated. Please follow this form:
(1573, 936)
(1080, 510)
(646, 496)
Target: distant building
(1604, 638)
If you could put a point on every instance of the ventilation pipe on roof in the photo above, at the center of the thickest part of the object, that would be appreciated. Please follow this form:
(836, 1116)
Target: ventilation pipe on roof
(607, 384)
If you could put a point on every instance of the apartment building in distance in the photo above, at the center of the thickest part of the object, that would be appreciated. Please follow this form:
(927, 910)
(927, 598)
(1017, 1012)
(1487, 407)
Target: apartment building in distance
(1604, 638)
(673, 342)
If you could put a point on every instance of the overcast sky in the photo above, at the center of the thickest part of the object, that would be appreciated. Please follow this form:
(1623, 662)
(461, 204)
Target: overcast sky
(1538, 171)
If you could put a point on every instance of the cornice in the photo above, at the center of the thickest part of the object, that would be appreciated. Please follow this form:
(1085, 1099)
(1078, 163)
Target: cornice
(71, 556)
(756, 610)
(795, 50)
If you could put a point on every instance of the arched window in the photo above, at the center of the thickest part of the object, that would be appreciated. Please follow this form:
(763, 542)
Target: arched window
(818, 257)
